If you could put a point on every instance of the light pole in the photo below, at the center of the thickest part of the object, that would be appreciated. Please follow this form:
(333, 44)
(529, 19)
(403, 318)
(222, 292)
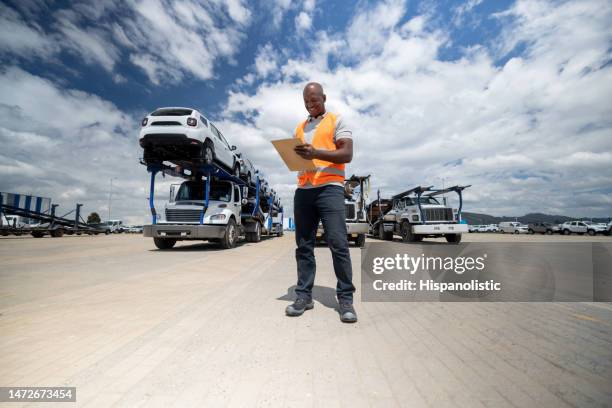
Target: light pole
(443, 195)
(110, 197)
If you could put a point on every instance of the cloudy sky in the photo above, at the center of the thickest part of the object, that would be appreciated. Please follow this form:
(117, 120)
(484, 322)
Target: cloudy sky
(511, 97)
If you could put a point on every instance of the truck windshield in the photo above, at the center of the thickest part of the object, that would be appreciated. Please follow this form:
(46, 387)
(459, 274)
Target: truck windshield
(423, 200)
(194, 191)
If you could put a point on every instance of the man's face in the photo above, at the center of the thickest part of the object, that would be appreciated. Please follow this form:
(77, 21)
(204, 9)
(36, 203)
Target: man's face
(314, 101)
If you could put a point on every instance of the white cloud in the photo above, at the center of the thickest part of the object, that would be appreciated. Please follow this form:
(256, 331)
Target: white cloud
(303, 22)
(463, 9)
(266, 61)
(531, 135)
(19, 38)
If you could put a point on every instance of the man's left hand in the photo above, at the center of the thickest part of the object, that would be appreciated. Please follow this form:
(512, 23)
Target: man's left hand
(306, 151)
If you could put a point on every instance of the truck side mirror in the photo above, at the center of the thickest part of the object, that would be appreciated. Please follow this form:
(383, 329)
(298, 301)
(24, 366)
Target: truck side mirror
(234, 148)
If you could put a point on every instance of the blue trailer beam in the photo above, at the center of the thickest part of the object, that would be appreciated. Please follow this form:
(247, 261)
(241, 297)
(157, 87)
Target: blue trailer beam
(151, 196)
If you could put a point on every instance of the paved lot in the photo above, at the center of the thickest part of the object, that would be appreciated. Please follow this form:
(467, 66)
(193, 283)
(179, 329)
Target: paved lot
(132, 326)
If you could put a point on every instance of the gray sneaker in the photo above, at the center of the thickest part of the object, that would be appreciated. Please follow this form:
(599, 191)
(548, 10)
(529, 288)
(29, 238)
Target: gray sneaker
(347, 312)
(298, 307)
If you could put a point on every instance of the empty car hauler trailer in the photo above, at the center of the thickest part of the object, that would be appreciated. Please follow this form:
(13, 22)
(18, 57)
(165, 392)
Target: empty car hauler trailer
(211, 204)
(416, 214)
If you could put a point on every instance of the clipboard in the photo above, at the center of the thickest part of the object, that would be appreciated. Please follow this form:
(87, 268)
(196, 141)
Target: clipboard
(294, 162)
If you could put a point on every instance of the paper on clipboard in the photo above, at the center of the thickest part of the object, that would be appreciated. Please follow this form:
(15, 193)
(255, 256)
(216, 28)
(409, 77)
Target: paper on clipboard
(294, 162)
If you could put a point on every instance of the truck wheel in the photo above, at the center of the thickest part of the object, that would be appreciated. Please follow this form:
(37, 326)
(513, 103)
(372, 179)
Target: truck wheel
(381, 231)
(256, 235)
(360, 240)
(406, 231)
(37, 234)
(58, 233)
(231, 235)
(453, 238)
(164, 243)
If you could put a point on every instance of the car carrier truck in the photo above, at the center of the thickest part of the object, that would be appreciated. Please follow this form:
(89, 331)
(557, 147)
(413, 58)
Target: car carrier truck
(416, 214)
(214, 205)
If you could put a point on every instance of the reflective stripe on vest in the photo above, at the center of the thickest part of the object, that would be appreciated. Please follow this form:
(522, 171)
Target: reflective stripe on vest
(323, 139)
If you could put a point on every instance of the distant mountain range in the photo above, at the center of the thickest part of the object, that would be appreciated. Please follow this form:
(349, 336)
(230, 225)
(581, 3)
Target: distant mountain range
(478, 219)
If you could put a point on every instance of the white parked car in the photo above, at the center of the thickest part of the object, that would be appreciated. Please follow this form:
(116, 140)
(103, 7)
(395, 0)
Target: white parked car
(173, 134)
(513, 227)
(582, 227)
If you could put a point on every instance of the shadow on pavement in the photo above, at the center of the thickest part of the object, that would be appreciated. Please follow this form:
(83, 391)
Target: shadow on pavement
(322, 294)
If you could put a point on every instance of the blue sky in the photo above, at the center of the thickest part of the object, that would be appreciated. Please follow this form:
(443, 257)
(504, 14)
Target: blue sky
(507, 96)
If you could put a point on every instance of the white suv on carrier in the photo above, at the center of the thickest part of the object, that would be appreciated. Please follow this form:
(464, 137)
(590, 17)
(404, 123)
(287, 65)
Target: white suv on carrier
(181, 134)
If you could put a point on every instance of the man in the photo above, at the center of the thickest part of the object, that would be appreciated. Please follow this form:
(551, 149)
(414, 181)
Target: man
(320, 196)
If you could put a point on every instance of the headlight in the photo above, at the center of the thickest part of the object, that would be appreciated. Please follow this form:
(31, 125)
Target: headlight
(217, 217)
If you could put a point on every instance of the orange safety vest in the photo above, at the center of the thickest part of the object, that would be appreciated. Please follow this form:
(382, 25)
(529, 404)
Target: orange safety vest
(323, 139)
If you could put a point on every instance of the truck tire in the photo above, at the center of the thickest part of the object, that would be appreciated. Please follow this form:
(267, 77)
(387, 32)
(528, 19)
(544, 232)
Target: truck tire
(231, 235)
(37, 234)
(57, 233)
(208, 153)
(164, 243)
(254, 236)
(406, 232)
(453, 238)
(381, 231)
(384, 235)
(360, 240)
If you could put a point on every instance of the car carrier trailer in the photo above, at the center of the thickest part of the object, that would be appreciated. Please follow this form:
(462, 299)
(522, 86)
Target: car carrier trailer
(49, 223)
(213, 205)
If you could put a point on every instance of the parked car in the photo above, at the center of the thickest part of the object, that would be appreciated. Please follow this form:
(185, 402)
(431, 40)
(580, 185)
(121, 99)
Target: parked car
(540, 227)
(179, 134)
(582, 227)
(473, 228)
(512, 227)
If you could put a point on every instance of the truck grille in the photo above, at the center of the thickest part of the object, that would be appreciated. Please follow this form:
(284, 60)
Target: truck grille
(175, 215)
(350, 211)
(438, 214)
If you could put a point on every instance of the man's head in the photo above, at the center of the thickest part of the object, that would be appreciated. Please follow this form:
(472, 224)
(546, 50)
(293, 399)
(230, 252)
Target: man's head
(314, 99)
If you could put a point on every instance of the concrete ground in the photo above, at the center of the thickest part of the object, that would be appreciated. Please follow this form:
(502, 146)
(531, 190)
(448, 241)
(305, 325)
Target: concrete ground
(129, 325)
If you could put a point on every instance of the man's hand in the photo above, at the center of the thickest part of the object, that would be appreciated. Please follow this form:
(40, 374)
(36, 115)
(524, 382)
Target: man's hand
(306, 151)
